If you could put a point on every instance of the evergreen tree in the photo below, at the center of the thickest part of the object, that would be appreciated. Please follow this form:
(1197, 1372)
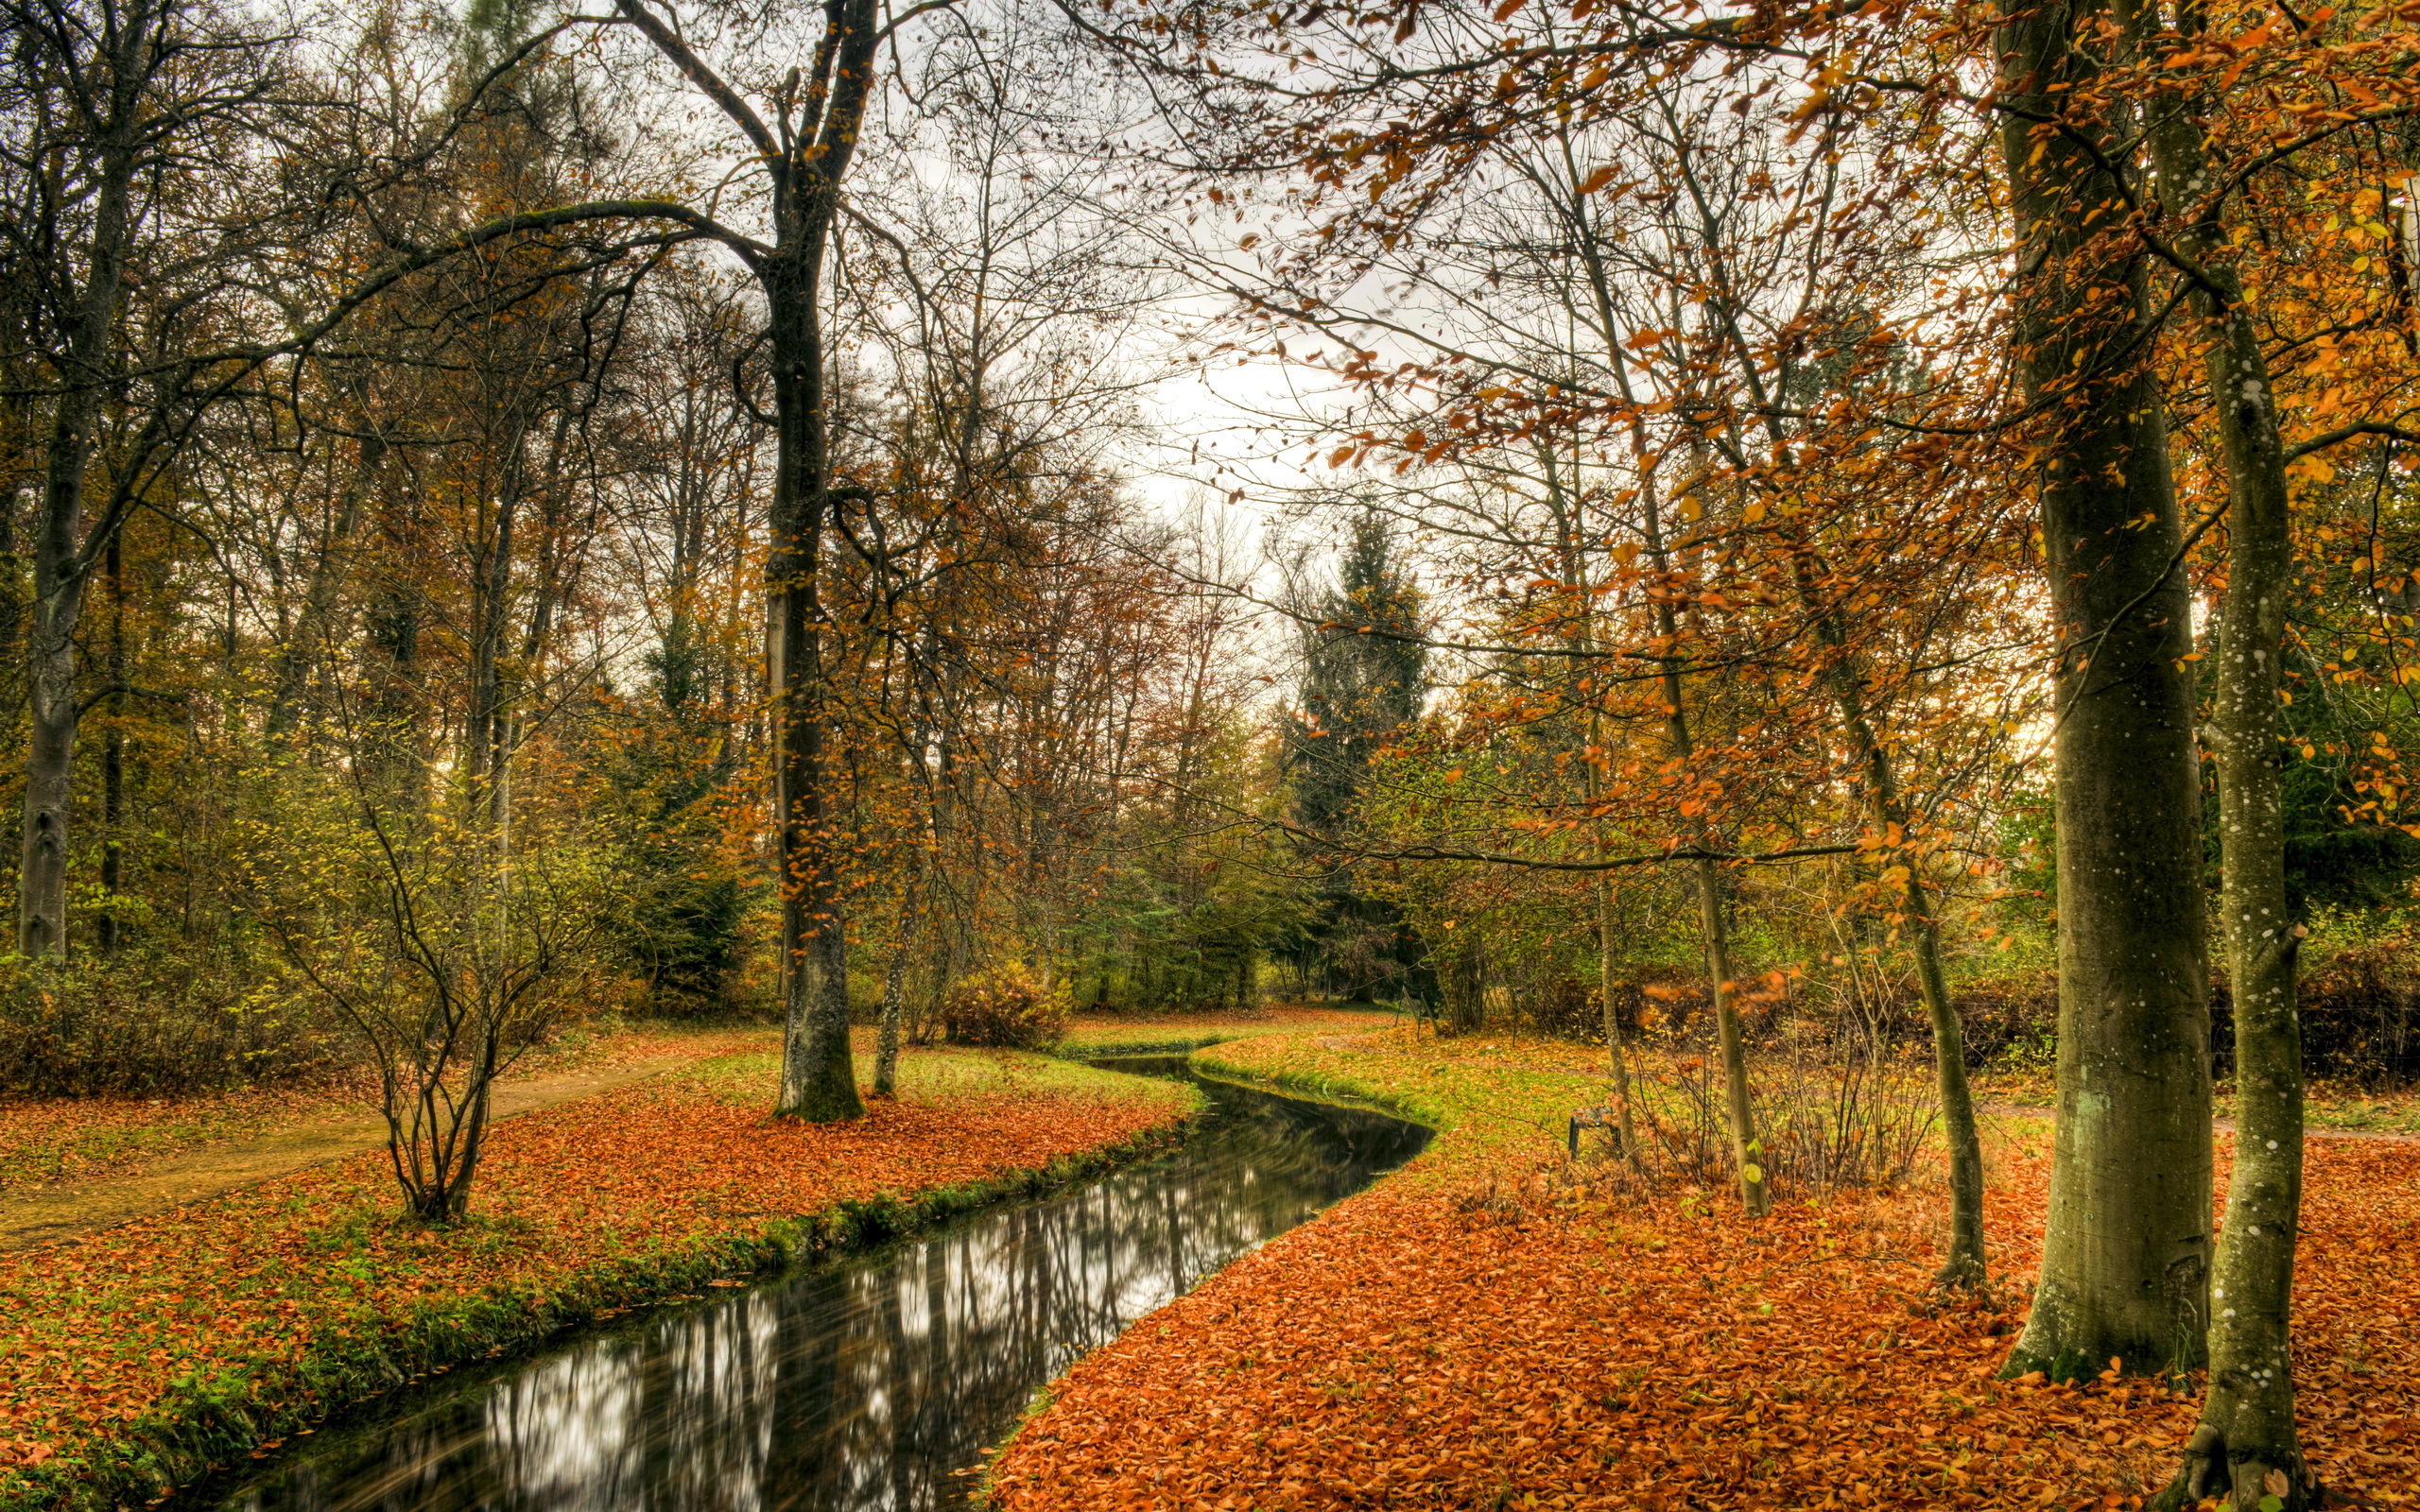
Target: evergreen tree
(1363, 670)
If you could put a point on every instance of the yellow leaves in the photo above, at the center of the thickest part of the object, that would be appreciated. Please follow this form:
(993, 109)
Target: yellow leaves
(1603, 175)
(1754, 512)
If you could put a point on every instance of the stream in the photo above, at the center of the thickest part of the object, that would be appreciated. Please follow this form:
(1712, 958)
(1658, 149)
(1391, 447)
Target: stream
(871, 1381)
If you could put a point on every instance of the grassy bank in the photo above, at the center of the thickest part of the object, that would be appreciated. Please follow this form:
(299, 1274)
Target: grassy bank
(1495, 1115)
(146, 1356)
(1496, 1329)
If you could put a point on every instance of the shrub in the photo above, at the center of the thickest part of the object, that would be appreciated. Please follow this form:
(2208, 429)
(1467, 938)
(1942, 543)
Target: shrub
(1826, 1122)
(156, 1024)
(2013, 1020)
(1007, 1008)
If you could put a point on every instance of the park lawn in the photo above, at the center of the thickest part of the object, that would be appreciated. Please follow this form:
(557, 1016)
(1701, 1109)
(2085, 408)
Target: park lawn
(142, 1356)
(1484, 1331)
(1094, 1034)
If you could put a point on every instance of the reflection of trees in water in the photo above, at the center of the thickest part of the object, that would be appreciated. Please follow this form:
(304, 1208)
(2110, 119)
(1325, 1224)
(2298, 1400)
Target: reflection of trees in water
(864, 1386)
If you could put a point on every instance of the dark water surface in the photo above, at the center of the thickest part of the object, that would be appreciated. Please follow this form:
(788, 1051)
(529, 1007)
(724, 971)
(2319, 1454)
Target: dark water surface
(858, 1384)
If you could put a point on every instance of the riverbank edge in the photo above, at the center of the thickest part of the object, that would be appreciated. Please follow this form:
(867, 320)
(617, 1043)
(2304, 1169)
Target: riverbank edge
(1342, 1091)
(203, 1426)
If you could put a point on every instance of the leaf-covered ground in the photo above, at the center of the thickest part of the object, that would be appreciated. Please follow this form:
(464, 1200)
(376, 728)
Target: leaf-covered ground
(2331, 1107)
(46, 1140)
(229, 1301)
(1469, 1336)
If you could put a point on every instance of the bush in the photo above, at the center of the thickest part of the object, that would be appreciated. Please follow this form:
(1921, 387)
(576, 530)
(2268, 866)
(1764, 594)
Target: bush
(2014, 1020)
(1007, 1008)
(1826, 1122)
(152, 1023)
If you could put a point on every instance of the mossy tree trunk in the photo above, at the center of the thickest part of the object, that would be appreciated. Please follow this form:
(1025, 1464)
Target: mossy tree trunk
(2246, 1444)
(805, 150)
(2125, 1266)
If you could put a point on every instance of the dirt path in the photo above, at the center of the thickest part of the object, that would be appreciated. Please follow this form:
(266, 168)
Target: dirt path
(44, 1215)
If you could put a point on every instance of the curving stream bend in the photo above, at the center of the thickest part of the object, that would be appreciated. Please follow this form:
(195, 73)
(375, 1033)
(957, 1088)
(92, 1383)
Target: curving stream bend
(875, 1383)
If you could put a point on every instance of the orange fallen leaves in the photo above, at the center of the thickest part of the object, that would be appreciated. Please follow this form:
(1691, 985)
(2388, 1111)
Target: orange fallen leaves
(227, 1297)
(1410, 1349)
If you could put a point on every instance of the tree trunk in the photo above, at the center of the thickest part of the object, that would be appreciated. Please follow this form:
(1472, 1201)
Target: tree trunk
(293, 663)
(61, 572)
(2125, 1262)
(108, 931)
(819, 1080)
(2246, 1440)
(894, 981)
(1756, 1194)
(1965, 1265)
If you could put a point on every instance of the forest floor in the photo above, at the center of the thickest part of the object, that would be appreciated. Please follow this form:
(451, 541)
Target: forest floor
(142, 1355)
(1498, 1328)
(69, 1165)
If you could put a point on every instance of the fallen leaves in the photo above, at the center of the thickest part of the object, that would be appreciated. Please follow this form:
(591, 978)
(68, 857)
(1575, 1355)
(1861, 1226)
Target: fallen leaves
(227, 1300)
(1660, 1353)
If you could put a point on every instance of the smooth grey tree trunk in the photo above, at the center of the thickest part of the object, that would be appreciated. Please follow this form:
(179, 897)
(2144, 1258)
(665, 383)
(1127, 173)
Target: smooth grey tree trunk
(2125, 1266)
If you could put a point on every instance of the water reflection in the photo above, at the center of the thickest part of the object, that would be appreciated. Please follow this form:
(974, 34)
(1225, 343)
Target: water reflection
(861, 1386)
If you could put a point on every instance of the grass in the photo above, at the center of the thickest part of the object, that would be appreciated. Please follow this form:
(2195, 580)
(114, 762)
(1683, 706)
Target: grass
(1490, 1112)
(938, 1076)
(1094, 1036)
(49, 1140)
(2327, 1106)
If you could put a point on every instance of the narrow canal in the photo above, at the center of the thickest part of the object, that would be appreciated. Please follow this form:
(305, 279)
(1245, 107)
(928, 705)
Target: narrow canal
(875, 1383)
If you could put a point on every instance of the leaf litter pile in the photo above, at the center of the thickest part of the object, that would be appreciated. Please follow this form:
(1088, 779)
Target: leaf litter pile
(1468, 1335)
(224, 1300)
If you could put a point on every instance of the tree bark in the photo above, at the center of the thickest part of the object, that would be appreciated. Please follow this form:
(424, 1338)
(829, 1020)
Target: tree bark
(1756, 1194)
(109, 930)
(2126, 1259)
(2246, 1442)
(894, 980)
(819, 1078)
(1965, 1265)
(59, 570)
